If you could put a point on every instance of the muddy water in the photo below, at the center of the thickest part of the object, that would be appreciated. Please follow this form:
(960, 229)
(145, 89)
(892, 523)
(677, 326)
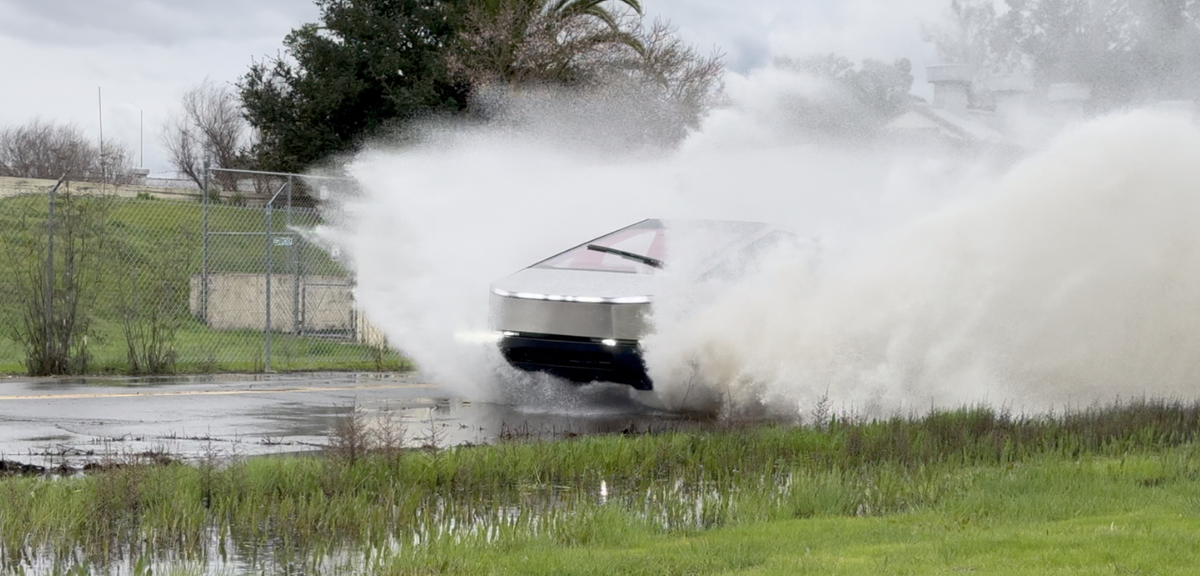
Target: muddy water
(53, 421)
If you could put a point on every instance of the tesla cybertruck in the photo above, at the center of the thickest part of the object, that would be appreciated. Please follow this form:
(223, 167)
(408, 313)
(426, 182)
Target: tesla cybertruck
(581, 314)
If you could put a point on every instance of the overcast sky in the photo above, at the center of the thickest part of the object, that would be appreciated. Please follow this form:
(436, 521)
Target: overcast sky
(143, 54)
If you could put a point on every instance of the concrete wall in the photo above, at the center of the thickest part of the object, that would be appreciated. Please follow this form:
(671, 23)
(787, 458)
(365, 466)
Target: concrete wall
(12, 186)
(152, 187)
(239, 302)
(367, 333)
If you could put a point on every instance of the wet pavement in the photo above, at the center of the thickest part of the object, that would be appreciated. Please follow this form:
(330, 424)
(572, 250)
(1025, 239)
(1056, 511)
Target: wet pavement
(49, 422)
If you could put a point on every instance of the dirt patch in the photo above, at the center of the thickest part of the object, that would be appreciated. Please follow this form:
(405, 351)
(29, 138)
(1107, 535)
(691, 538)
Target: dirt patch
(9, 468)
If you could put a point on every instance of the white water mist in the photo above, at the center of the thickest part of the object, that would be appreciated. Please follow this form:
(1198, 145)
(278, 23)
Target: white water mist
(1072, 277)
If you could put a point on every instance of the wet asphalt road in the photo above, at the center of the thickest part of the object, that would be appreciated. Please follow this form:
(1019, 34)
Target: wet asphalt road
(51, 421)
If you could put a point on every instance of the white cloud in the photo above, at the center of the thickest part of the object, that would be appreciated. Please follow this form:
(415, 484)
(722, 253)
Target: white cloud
(161, 23)
(54, 54)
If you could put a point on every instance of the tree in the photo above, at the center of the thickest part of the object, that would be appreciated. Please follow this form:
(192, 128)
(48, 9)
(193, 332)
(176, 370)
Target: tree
(856, 100)
(973, 33)
(1126, 50)
(370, 65)
(47, 150)
(556, 42)
(688, 82)
(603, 55)
(210, 124)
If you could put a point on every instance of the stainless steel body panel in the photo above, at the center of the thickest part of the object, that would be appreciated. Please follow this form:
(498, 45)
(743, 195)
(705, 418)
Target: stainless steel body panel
(575, 283)
(545, 301)
(583, 319)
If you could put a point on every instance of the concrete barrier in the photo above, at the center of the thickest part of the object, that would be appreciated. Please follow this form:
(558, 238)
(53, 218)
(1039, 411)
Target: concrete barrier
(239, 302)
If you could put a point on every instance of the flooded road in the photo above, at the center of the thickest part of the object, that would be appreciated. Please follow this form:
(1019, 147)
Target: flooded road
(48, 422)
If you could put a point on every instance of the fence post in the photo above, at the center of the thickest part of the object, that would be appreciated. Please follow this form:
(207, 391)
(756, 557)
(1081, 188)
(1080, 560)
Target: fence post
(204, 246)
(294, 262)
(48, 302)
(267, 326)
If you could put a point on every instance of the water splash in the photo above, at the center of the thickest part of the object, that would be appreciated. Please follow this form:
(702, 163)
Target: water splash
(944, 278)
(1073, 278)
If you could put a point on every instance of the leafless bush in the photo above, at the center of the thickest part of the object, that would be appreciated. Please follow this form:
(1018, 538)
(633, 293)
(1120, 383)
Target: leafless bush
(356, 434)
(211, 123)
(152, 300)
(350, 437)
(55, 283)
(47, 150)
(688, 75)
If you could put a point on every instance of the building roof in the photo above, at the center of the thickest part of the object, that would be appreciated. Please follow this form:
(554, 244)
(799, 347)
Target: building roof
(968, 127)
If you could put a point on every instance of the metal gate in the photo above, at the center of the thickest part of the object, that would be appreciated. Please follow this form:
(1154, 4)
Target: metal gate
(261, 271)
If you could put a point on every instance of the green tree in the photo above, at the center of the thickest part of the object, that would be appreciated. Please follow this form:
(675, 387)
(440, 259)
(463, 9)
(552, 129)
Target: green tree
(558, 42)
(648, 85)
(597, 9)
(369, 66)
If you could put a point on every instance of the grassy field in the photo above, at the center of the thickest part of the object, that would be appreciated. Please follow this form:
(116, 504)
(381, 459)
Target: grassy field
(1132, 515)
(202, 350)
(160, 240)
(1109, 490)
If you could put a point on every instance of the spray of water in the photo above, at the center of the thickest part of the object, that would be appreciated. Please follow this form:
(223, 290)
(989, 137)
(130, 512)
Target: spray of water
(439, 222)
(1071, 277)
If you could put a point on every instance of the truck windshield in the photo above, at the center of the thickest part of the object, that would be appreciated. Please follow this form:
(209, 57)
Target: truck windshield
(637, 249)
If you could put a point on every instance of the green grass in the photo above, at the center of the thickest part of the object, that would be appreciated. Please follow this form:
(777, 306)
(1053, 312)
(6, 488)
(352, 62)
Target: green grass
(165, 235)
(1157, 541)
(202, 350)
(1106, 489)
(144, 223)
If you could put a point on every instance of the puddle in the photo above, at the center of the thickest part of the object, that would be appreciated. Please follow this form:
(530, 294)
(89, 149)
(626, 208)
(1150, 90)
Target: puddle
(438, 520)
(71, 422)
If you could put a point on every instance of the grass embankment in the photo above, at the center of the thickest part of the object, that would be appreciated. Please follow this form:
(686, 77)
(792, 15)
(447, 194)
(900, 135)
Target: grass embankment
(164, 237)
(1107, 489)
(202, 350)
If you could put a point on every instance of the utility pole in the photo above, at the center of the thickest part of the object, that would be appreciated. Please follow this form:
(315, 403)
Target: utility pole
(100, 107)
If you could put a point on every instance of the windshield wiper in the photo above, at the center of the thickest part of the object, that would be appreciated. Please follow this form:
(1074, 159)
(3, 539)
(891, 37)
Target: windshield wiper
(652, 262)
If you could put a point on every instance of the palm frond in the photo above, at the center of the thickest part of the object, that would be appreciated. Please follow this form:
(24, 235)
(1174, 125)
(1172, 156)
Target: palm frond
(568, 7)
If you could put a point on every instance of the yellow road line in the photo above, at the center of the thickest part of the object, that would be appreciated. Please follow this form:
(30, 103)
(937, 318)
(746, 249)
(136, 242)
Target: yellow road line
(219, 392)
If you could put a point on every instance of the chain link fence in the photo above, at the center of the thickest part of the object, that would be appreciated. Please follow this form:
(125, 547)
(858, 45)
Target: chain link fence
(105, 281)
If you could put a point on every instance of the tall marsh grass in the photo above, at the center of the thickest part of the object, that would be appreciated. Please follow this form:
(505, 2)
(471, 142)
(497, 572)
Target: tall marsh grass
(370, 509)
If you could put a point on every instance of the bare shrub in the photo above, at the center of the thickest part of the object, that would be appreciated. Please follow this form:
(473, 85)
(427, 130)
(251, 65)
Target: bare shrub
(388, 434)
(356, 434)
(152, 300)
(683, 77)
(350, 437)
(210, 124)
(56, 275)
(50, 151)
